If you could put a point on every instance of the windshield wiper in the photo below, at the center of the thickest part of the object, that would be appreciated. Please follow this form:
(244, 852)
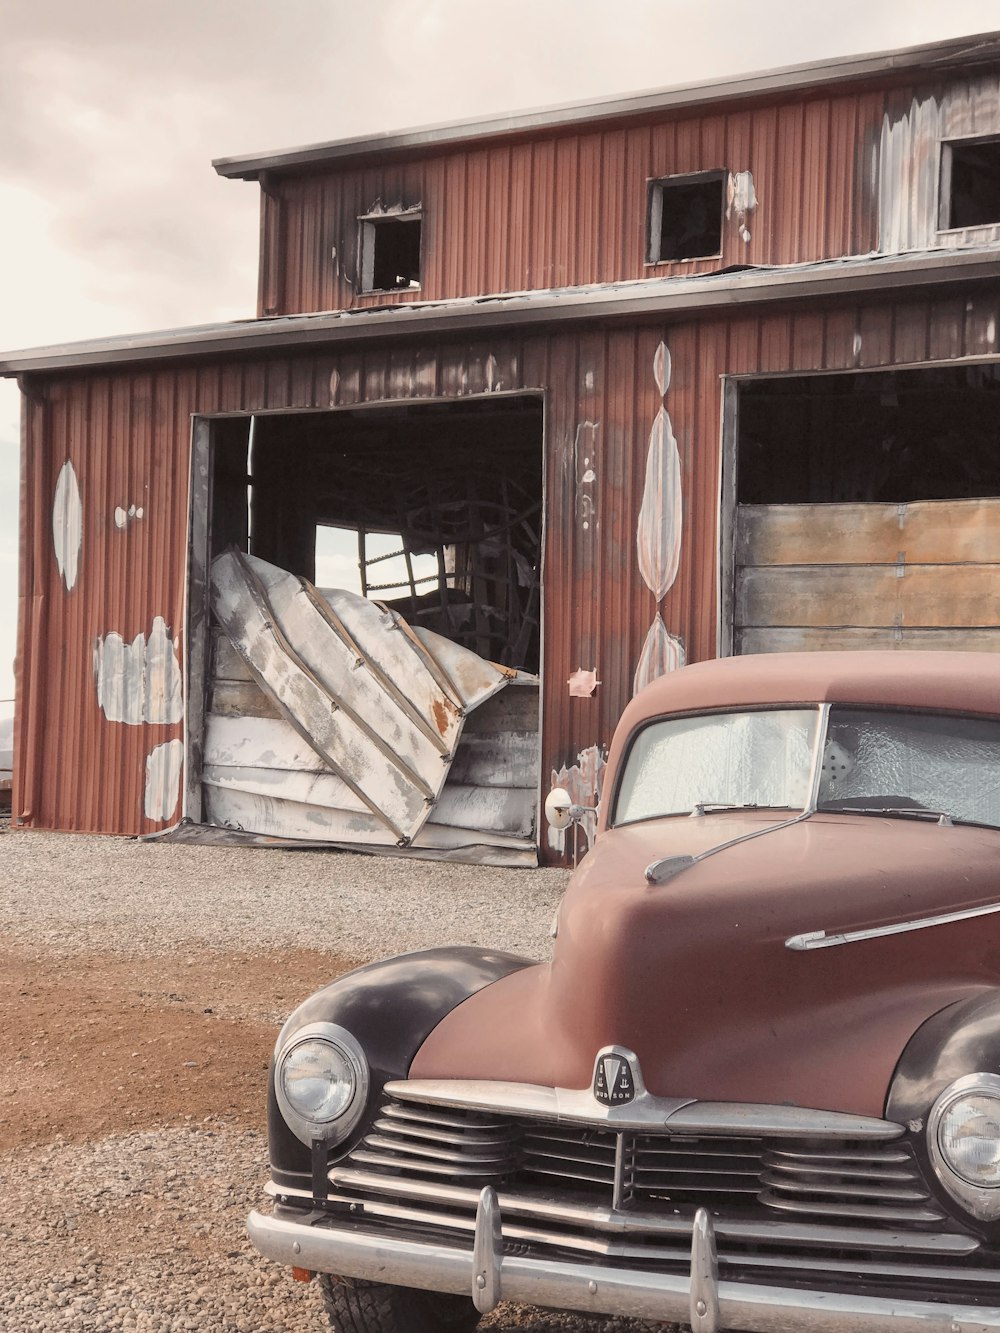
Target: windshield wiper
(898, 811)
(714, 807)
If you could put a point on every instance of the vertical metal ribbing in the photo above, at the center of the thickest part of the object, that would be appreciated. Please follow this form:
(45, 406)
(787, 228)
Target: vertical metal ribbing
(487, 1253)
(704, 1275)
(624, 1171)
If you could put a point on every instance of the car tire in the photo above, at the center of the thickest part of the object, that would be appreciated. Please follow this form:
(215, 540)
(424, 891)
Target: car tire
(355, 1306)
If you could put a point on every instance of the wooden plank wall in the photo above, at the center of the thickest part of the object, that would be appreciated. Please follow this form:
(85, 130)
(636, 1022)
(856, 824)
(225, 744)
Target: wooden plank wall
(923, 575)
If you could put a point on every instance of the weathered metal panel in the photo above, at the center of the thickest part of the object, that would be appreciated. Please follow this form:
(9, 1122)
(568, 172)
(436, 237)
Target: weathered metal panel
(805, 180)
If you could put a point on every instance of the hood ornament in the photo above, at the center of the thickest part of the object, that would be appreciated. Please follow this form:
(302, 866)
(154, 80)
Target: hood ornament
(616, 1076)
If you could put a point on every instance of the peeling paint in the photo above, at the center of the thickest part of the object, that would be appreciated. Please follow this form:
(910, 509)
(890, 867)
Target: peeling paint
(583, 780)
(741, 200)
(661, 653)
(163, 780)
(139, 681)
(586, 439)
(67, 525)
(582, 683)
(909, 157)
(123, 517)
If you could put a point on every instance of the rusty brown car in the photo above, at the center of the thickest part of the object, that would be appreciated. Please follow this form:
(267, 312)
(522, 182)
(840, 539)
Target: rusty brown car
(758, 1085)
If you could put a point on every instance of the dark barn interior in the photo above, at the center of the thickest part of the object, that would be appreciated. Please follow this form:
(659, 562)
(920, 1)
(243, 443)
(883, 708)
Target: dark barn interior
(880, 437)
(459, 482)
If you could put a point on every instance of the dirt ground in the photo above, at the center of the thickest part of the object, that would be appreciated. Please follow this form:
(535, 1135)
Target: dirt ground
(157, 1039)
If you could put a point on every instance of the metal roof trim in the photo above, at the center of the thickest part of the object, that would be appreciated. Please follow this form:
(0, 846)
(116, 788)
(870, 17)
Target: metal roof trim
(644, 298)
(974, 49)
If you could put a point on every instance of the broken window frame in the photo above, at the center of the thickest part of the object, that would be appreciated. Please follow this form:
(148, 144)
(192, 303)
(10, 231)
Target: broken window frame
(656, 189)
(368, 227)
(946, 206)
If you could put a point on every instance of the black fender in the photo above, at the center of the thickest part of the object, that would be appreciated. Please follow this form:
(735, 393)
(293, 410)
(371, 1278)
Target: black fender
(390, 1007)
(963, 1038)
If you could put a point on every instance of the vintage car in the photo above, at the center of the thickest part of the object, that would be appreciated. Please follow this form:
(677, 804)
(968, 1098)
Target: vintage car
(758, 1085)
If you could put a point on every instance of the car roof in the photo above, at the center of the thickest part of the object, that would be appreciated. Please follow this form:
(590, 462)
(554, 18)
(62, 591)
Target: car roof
(965, 682)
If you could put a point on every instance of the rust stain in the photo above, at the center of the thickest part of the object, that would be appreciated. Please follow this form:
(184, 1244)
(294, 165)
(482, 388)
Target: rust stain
(441, 718)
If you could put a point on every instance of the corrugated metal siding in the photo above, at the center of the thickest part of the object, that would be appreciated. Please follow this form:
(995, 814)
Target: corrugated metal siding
(127, 437)
(833, 175)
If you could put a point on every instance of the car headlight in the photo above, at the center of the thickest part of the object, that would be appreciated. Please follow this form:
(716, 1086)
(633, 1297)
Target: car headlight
(963, 1138)
(321, 1082)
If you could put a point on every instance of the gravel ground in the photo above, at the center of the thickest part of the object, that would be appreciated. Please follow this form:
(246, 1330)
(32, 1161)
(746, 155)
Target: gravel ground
(142, 1229)
(138, 897)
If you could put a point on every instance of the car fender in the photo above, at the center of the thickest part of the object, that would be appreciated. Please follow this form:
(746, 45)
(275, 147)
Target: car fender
(963, 1038)
(390, 1007)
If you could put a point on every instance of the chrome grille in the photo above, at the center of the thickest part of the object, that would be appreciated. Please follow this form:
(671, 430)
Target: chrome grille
(861, 1182)
(795, 1210)
(460, 1145)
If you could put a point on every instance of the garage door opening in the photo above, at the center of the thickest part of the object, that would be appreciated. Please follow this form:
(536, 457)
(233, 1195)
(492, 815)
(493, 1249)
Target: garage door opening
(373, 589)
(866, 511)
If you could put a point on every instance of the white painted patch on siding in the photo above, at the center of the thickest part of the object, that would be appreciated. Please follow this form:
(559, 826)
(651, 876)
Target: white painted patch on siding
(493, 383)
(661, 652)
(67, 525)
(139, 681)
(741, 200)
(909, 165)
(583, 780)
(163, 780)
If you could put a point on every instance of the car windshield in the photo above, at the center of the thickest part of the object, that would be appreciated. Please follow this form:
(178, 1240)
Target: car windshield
(912, 764)
(874, 761)
(748, 759)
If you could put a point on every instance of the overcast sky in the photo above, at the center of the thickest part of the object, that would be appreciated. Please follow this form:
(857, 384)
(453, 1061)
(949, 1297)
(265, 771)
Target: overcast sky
(111, 111)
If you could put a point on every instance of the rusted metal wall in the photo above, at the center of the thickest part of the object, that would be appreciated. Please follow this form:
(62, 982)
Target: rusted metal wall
(832, 175)
(632, 440)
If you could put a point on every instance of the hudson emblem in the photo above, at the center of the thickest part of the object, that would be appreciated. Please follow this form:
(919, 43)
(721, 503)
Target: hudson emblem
(613, 1081)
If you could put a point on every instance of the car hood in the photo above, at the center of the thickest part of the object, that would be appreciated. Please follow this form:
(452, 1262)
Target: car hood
(694, 975)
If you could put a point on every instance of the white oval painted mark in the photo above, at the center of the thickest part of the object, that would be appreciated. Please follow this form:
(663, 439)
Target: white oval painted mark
(334, 386)
(589, 476)
(163, 780)
(661, 367)
(121, 518)
(661, 653)
(658, 536)
(67, 525)
(139, 681)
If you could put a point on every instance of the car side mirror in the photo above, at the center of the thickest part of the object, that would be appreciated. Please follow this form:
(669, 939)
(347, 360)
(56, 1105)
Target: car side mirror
(560, 810)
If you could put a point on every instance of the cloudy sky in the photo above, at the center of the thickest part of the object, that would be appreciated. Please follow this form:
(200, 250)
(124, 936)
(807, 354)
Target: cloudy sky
(113, 220)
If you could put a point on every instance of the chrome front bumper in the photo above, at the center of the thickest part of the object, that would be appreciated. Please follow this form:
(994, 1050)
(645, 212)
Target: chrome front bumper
(323, 1244)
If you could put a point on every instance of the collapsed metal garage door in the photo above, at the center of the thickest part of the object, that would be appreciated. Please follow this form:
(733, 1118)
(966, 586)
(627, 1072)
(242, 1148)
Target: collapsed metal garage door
(401, 715)
(865, 512)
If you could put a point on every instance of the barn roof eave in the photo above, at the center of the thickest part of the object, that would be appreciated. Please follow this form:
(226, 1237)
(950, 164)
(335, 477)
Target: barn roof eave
(636, 301)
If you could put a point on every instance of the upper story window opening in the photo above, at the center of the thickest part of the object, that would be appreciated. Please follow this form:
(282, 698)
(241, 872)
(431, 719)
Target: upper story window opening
(685, 217)
(970, 183)
(389, 251)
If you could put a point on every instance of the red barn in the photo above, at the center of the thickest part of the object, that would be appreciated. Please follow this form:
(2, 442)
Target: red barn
(616, 386)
